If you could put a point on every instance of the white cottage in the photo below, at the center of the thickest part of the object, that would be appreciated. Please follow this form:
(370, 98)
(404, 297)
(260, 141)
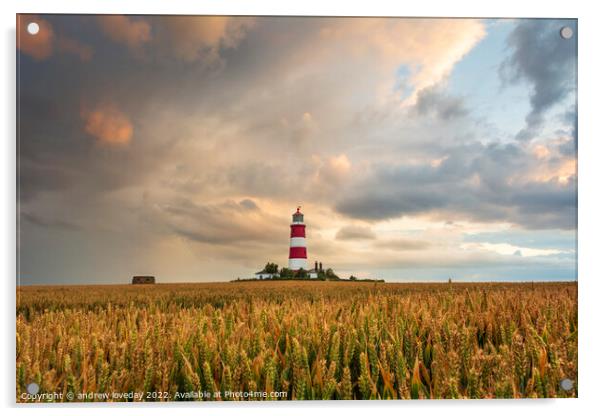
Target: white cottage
(265, 275)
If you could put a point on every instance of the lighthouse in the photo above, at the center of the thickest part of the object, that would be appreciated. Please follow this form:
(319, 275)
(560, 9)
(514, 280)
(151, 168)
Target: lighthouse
(297, 257)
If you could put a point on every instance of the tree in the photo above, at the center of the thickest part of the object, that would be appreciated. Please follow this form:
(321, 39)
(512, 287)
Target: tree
(271, 268)
(286, 273)
(330, 275)
(302, 273)
(352, 277)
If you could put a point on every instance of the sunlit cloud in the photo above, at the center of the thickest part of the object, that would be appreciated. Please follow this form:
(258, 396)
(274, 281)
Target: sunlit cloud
(126, 30)
(352, 232)
(333, 170)
(511, 250)
(108, 124)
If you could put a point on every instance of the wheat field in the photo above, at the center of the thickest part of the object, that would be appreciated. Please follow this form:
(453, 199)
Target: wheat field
(296, 340)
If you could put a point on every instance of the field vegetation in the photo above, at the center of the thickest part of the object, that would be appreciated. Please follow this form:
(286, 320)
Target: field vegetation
(312, 340)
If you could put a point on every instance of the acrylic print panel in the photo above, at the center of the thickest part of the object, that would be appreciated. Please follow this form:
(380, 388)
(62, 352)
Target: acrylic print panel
(288, 208)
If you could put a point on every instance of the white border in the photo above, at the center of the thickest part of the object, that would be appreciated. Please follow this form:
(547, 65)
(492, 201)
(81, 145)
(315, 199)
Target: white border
(590, 205)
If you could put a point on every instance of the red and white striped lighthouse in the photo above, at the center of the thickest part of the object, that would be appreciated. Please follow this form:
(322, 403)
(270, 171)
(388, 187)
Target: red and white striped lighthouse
(297, 257)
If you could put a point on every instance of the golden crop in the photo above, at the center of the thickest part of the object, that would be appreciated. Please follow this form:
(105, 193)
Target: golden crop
(312, 340)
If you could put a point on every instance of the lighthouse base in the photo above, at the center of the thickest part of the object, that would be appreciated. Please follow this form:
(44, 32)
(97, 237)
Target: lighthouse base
(296, 264)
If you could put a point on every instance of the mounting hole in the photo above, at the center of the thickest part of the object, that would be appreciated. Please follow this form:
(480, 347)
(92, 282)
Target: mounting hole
(567, 384)
(33, 28)
(566, 32)
(33, 388)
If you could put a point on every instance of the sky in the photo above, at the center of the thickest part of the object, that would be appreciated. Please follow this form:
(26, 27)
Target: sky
(179, 146)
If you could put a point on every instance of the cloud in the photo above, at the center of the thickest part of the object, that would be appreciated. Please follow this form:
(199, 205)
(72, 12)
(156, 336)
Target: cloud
(39, 46)
(316, 112)
(435, 101)
(266, 178)
(187, 38)
(37, 177)
(353, 232)
(249, 204)
(201, 38)
(220, 223)
(429, 47)
(333, 171)
(503, 190)
(511, 250)
(544, 239)
(131, 32)
(49, 223)
(75, 47)
(541, 151)
(42, 45)
(545, 60)
(373, 50)
(108, 124)
(403, 244)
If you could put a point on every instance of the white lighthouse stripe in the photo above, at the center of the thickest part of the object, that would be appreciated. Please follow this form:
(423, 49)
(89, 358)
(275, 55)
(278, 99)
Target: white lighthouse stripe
(297, 241)
(296, 264)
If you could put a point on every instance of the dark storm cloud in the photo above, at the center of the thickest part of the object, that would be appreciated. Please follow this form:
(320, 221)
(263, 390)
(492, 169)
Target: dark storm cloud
(434, 101)
(59, 148)
(34, 178)
(248, 204)
(48, 223)
(479, 183)
(568, 148)
(227, 223)
(545, 60)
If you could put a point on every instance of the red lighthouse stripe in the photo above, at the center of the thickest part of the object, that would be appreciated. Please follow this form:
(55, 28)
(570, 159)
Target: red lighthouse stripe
(297, 253)
(298, 230)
